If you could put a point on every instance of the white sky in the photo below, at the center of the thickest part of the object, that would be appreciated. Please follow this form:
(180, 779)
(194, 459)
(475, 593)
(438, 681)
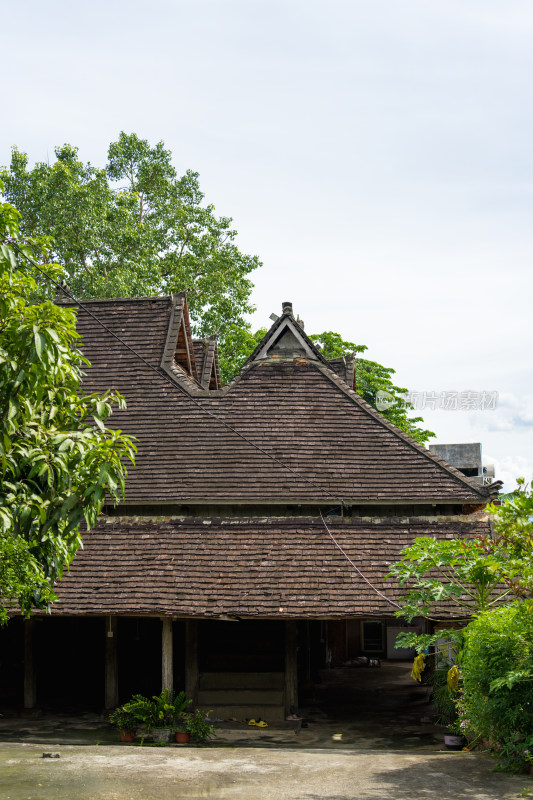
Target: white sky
(376, 154)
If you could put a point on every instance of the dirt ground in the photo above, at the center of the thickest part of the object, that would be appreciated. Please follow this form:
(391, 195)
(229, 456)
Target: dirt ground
(370, 736)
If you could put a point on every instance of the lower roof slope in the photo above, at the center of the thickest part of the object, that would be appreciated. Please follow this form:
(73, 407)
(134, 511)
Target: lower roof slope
(275, 569)
(332, 446)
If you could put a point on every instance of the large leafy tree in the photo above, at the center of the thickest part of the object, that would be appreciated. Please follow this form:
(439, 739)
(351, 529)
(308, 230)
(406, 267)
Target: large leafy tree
(374, 384)
(57, 459)
(136, 228)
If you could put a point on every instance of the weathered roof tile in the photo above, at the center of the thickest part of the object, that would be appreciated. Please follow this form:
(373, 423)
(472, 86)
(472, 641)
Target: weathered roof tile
(311, 438)
(248, 569)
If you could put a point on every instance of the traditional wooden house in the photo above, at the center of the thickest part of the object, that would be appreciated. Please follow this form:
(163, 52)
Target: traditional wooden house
(259, 523)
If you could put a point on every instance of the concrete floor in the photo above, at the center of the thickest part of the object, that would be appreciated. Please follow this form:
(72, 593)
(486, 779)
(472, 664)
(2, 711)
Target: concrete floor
(131, 773)
(370, 735)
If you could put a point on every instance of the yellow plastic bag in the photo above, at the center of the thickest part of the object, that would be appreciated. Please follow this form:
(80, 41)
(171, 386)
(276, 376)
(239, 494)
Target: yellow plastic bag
(452, 679)
(419, 665)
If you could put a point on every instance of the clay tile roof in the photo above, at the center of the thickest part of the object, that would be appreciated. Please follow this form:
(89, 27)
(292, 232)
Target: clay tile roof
(279, 568)
(286, 404)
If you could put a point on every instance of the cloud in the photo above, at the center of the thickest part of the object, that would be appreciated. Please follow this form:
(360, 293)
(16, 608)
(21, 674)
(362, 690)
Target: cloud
(509, 400)
(509, 468)
(512, 411)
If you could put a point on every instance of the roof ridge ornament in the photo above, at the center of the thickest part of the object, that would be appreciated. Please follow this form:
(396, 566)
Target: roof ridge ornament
(286, 308)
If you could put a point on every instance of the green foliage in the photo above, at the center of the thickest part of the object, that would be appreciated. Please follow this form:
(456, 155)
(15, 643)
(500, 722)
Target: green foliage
(199, 727)
(140, 713)
(164, 710)
(512, 541)
(58, 461)
(168, 708)
(240, 342)
(497, 670)
(473, 577)
(332, 345)
(466, 576)
(447, 578)
(372, 378)
(135, 228)
(423, 642)
(124, 719)
(444, 701)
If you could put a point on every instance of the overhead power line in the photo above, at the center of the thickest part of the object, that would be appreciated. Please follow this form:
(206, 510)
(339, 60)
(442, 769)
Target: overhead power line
(356, 568)
(175, 385)
(163, 376)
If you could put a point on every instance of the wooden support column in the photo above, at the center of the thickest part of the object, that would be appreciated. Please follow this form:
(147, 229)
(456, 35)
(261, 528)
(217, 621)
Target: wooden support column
(191, 660)
(30, 675)
(167, 668)
(291, 666)
(111, 663)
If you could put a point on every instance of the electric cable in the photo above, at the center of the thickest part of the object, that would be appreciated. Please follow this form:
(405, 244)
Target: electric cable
(218, 419)
(168, 379)
(345, 554)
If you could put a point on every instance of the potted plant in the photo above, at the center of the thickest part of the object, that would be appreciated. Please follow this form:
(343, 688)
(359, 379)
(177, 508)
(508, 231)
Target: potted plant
(126, 721)
(182, 734)
(155, 717)
(199, 726)
(168, 709)
(141, 712)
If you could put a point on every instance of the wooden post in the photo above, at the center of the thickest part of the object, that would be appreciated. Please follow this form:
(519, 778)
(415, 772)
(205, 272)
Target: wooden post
(191, 660)
(111, 663)
(291, 666)
(167, 670)
(30, 677)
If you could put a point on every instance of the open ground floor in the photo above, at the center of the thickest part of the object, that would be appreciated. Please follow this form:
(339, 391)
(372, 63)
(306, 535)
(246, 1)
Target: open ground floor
(236, 668)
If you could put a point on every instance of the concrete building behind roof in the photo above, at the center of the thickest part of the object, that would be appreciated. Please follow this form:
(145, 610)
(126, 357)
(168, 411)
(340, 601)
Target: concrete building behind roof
(467, 458)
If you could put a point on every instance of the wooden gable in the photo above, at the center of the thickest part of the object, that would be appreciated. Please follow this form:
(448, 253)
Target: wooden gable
(184, 352)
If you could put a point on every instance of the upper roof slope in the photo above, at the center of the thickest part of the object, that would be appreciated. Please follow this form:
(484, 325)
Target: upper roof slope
(321, 442)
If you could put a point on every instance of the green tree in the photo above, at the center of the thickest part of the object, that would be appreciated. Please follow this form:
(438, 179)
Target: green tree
(461, 578)
(374, 383)
(57, 459)
(135, 228)
(488, 582)
(448, 578)
(513, 538)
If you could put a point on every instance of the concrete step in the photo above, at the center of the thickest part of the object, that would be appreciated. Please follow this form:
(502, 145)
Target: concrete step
(241, 712)
(242, 680)
(248, 697)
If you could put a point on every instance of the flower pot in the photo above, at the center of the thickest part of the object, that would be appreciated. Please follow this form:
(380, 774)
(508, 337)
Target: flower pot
(183, 737)
(453, 742)
(127, 736)
(160, 734)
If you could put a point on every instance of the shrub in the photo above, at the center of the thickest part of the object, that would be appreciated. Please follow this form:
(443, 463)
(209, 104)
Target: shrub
(497, 688)
(199, 726)
(124, 719)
